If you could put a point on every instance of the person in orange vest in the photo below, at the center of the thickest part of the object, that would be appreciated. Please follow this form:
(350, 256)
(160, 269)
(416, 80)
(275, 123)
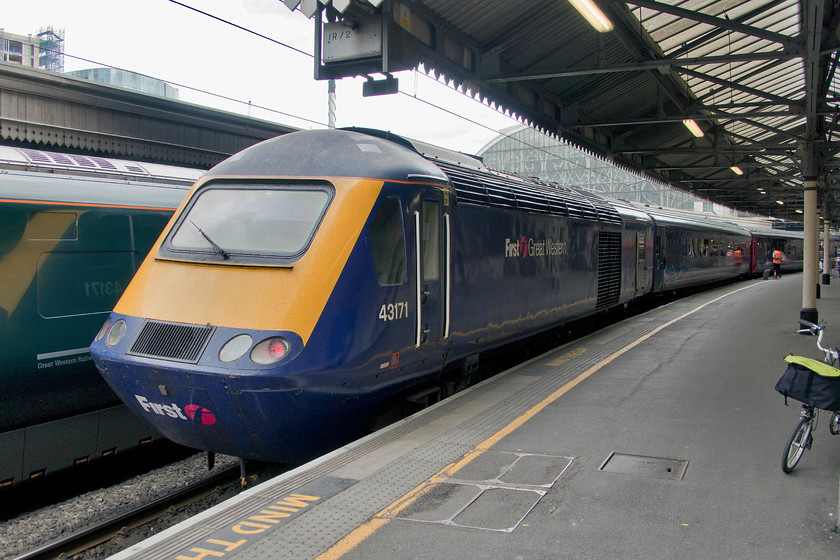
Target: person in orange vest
(777, 264)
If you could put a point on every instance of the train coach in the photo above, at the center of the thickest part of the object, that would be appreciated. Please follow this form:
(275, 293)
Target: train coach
(691, 251)
(311, 278)
(73, 230)
(764, 241)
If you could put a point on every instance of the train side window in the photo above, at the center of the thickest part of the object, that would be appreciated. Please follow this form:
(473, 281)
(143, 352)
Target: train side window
(431, 236)
(387, 242)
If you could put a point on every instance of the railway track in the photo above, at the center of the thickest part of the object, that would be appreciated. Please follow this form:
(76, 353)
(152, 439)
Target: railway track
(121, 526)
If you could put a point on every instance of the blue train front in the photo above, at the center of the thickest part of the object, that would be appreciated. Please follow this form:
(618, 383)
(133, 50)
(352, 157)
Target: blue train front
(310, 279)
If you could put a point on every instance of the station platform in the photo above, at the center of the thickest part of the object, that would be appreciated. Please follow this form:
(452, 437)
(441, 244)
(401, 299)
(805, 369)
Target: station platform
(658, 437)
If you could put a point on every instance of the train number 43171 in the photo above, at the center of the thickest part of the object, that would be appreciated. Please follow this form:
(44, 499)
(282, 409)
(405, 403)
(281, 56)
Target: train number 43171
(394, 311)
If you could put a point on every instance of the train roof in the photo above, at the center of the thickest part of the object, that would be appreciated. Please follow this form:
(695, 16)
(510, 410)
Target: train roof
(330, 153)
(700, 221)
(44, 161)
(428, 151)
(628, 212)
(386, 156)
(764, 230)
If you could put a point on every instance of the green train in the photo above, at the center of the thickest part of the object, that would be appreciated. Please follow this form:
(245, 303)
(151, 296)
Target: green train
(73, 230)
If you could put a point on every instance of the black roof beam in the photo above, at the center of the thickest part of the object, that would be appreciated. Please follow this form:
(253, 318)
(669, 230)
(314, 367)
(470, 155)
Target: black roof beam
(737, 87)
(722, 23)
(659, 64)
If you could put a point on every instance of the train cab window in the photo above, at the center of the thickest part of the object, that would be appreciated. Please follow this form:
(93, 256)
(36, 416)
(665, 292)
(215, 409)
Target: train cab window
(388, 243)
(260, 224)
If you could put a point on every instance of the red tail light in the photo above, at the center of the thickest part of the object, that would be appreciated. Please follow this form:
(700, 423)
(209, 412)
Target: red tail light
(270, 350)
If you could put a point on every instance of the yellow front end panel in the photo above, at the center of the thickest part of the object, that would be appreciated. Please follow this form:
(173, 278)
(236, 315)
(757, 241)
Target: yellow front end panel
(253, 297)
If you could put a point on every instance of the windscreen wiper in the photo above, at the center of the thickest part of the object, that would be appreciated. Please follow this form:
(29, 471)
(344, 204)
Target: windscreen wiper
(218, 249)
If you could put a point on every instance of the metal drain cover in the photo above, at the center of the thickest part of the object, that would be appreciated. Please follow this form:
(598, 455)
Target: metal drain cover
(639, 465)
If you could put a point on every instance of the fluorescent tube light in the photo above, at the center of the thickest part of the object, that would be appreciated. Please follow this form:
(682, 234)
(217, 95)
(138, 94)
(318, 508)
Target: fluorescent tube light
(736, 170)
(780, 203)
(593, 15)
(694, 128)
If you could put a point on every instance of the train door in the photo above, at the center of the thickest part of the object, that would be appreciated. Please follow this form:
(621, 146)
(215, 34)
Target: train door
(641, 263)
(431, 226)
(659, 261)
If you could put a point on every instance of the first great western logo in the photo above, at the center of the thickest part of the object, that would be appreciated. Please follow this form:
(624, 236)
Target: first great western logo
(190, 412)
(526, 247)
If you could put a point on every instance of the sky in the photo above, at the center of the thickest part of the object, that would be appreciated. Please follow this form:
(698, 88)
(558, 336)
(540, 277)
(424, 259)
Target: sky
(199, 54)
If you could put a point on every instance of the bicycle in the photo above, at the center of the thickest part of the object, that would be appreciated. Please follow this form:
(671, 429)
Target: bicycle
(817, 385)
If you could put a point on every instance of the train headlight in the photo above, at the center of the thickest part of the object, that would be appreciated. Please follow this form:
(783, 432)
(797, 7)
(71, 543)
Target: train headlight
(270, 350)
(115, 333)
(235, 348)
(103, 330)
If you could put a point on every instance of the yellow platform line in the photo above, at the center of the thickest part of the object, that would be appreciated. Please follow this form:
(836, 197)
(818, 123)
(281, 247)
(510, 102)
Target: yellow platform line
(364, 531)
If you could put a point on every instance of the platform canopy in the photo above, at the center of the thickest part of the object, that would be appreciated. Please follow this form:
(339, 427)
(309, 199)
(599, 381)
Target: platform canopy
(758, 77)
(53, 111)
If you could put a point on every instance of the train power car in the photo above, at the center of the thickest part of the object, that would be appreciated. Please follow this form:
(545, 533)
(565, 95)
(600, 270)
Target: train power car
(310, 278)
(73, 230)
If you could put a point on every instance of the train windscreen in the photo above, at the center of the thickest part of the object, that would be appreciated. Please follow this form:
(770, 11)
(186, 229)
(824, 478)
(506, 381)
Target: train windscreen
(248, 223)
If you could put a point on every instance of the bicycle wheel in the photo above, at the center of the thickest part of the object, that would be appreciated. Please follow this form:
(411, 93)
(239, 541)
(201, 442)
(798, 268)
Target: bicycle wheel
(834, 423)
(799, 440)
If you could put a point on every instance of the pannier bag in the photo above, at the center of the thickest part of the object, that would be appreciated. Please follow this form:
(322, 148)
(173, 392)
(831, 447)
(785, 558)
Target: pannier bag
(811, 382)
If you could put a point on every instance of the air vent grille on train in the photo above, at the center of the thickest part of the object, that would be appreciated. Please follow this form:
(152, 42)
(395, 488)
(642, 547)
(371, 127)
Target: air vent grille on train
(171, 341)
(609, 269)
(500, 190)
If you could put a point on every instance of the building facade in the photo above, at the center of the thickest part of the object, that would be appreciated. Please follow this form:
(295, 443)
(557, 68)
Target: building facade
(126, 79)
(45, 50)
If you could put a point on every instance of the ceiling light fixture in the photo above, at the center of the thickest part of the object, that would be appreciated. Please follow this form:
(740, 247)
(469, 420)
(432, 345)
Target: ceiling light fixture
(694, 128)
(780, 203)
(736, 170)
(593, 15)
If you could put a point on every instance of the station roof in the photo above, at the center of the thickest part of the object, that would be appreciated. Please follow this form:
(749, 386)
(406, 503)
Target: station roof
(48, 110)
(757, 76)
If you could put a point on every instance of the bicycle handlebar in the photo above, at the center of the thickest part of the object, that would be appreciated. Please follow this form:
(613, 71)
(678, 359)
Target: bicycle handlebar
(818, 330)
(815, 328)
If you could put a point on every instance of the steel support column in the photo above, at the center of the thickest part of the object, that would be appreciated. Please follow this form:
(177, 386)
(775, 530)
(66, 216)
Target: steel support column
(811, 250)
(828, 251)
